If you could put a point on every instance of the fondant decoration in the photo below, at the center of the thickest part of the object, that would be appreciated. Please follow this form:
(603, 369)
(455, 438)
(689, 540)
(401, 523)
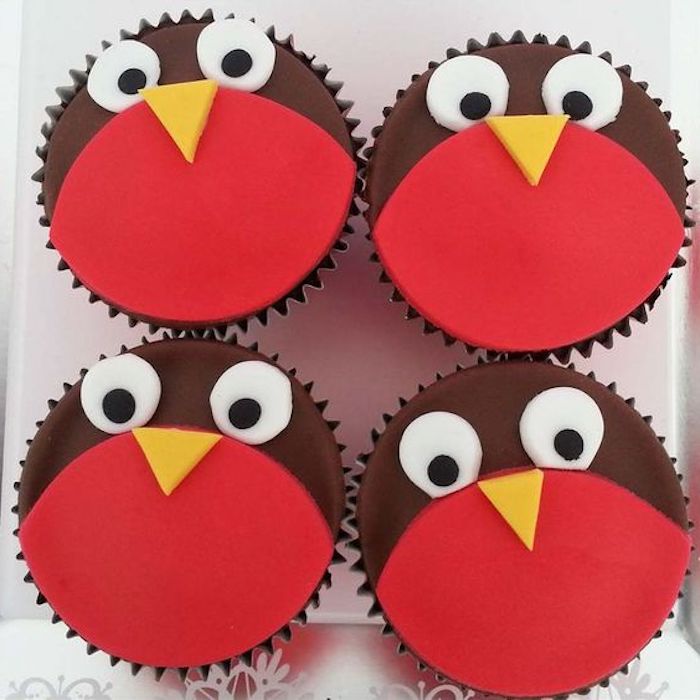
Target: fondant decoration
(562, 427)
(237, 54)
(585, 88)
(120, 393)
(440, 453)
(183, 110)
(530, 141)
(535, 560)
(482, 255)
(517, 498)
(219, 197)
(465, 90)
(175, 544)
(121, 73)
(252, 401)
(172, 454)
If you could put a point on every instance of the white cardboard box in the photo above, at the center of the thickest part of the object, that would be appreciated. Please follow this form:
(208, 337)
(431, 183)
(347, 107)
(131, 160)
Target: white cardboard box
(347, 336)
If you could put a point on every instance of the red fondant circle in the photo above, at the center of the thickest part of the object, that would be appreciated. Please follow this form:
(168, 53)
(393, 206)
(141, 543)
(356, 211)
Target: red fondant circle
(465, 594)
(230, 557)
(498, 263)
(210, 241)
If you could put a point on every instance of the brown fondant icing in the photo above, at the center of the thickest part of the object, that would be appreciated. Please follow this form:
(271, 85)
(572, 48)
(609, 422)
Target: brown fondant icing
(410, 132)
(492, 398)
(293, 84)
(188, 370)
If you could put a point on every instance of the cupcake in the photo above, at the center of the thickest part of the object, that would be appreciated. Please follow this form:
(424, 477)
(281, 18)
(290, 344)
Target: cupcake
(522, 528)
(179, 506)
(198, 173)
(527, 198)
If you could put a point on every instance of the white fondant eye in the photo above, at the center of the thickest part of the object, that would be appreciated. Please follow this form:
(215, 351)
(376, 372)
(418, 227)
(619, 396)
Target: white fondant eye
(120, 72)
(252, 402)
(120, 393)
(464, 90)
(440, 453)
(586, 88)
(562, 428)
(237, 54)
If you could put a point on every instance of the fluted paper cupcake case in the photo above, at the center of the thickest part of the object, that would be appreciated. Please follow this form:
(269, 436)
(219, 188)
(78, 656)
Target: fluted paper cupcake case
(312, 280)
(562, 354)
(285, 632)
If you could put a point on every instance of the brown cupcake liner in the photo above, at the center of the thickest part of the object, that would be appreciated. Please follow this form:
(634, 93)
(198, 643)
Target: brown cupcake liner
(584, 347)
(285, 632)
(311, 281)
(352, 538)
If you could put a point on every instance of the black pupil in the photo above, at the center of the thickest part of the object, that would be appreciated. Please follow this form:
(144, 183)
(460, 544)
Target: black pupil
(236, 63)
(132, 80)
(475, 105)
(443, 470)
(577, 105)
(244, 413)
(569, 444)
(119, 405)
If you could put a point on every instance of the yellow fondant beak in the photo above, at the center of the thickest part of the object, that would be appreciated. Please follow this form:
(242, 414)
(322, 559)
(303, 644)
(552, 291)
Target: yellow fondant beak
(172, 454)
(183, 110)
(530, 140)
(517, 499)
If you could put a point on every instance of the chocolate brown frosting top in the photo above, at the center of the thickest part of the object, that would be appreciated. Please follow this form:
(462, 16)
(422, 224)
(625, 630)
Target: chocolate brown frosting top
(410, 132)
(293, 83)
(492, 397)
(188, 370)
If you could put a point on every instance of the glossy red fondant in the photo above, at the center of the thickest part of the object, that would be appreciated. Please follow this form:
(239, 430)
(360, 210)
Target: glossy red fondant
(502, 264)
(465, 594)
(225, 561)
(209, 241)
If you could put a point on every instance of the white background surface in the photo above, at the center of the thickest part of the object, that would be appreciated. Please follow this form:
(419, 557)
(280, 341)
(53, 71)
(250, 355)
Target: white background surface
(347, 336)
(10, 28)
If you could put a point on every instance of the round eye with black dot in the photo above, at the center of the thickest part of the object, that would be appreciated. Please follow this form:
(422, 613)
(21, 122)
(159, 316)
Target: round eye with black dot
(236, 54)
(116, 79)
(586, 88)
(440, 452)
(562, 428)
(120, 393)
(464, 90)
(252, 402)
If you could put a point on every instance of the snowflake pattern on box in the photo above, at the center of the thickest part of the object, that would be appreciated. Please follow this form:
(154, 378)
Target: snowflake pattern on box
(265, 679)
(634, 685)
(396, 691)
(41, 689)
(269, 679)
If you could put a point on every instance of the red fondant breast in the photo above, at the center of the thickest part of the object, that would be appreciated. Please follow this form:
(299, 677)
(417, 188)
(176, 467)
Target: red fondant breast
(500, 264)
(465, 594)
(182, 580)
(204, 242)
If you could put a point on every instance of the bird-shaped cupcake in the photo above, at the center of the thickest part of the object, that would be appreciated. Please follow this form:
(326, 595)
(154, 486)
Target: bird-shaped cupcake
(179, 506)
(523, 529)
(527, 197)
(199, 172)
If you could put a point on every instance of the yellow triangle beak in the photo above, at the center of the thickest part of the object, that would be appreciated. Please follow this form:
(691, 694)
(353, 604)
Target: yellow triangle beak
(517, 498)
(183, 110)
(172, 454)
(530, 140)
